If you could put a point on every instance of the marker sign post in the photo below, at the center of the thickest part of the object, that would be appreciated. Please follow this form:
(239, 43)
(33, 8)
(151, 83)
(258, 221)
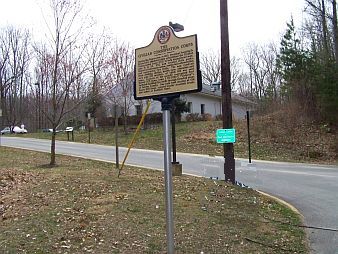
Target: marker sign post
(169, 65)
(164, 69)
(225, 136)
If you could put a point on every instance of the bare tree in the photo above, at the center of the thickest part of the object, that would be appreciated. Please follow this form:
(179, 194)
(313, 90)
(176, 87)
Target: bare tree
(235, 71)
(323, 27)
(97, 54)
(252, 62)
(335, 29)
(5, 76)
(211, 67)
(119, 71)
(273, 79)
(262, 77)
(63, 60)
(243, 84)
(14, 63)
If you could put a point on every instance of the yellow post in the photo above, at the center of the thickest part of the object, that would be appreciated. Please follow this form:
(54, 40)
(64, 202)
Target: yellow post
(134, 137)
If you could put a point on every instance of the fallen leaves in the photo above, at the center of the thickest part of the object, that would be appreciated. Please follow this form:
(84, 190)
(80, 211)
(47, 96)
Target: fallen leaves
(84, 208)
(14, 178)
(11, 180)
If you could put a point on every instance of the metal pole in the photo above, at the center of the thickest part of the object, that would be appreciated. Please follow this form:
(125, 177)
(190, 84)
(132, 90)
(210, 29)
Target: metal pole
(248, 127)
(39, 110)
(228, 148)
(173, 133)
(116, 138)
(166, 106)
(1, 109)
(89, 131)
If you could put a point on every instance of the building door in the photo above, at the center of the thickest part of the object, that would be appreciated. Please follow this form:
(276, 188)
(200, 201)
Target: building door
(202, 109)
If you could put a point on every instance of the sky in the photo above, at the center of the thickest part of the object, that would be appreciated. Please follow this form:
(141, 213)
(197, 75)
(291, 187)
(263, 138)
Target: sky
(135, 21)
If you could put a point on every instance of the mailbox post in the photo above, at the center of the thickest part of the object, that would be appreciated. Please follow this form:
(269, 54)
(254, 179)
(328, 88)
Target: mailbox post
(89, 117)
(117, 113)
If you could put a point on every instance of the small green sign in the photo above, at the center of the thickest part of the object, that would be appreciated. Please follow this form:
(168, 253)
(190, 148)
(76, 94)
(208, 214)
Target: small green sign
(225, 136)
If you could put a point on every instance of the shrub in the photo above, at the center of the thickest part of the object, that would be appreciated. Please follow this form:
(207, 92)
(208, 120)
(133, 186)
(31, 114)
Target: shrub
(206, 117)
(193, 117)
(154, 118)
(218, 117)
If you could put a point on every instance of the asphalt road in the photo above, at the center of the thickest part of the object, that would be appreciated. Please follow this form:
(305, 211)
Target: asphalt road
(312, 189)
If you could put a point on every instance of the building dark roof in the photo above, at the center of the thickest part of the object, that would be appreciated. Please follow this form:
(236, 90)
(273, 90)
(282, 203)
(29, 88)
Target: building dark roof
(216, 91)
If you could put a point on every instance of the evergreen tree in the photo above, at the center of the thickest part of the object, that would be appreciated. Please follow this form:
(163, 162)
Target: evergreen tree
(94, 103)
(308, 79)
(295, 65)
(180, 106)
(326, 85)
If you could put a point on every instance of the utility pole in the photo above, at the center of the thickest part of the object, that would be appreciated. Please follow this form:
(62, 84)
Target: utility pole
(228, 148)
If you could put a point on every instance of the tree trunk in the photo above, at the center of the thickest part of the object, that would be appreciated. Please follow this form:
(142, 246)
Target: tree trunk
(324, 27)
(125, 115)
(52, 149)
(335, 29)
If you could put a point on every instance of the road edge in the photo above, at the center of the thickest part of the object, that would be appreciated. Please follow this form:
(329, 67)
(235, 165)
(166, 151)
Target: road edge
(283, 202)
(295, 210)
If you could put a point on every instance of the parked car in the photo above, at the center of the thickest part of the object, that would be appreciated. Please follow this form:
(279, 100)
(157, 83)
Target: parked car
(19, 130)
(69, 129)
(6, 130)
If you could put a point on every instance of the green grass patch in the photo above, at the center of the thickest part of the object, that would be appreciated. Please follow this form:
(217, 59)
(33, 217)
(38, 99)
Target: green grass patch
(81, 206)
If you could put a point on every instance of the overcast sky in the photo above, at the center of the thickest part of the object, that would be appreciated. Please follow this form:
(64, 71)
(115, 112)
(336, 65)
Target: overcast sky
(136, 21)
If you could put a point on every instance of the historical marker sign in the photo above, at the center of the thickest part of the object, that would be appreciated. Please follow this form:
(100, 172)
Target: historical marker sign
(169, 65)
(225, 136)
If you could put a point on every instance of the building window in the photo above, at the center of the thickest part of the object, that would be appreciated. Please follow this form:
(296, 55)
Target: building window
(189, 107)
(138, 110)
(202, 109)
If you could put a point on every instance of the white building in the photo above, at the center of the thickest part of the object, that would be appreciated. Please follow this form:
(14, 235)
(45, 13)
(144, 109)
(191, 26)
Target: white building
(208, 101)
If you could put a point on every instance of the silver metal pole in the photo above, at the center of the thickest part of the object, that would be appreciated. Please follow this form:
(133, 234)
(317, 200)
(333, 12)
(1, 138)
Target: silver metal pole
(116, 138)
(168, 182)
(0, 119)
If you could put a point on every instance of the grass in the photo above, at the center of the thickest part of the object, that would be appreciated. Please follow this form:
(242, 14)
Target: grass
(81, 206)
(272, 138)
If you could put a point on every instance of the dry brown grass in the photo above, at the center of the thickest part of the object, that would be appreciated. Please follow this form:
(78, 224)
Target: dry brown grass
(82, 207)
